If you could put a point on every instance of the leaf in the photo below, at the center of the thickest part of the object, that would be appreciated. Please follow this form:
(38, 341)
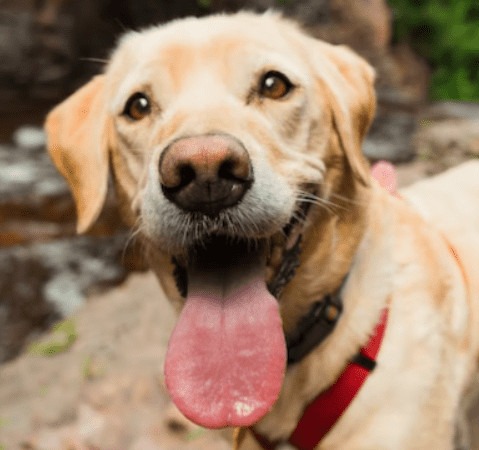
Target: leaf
(63, 336)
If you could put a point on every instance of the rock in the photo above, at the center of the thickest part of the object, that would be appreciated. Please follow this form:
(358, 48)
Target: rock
(448, 133)
(35, 55)
(451, 139)
(364, 25)
(390, 137)
(451, 110)
(444, 134)
(53, 402)
(402, 76)
(40, 283)
(35, 203)
(16, 43)
(29, 137)
(45, 269)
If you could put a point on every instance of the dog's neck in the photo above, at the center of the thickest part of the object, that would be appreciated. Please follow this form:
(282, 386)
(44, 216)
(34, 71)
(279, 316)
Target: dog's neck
(321, 272)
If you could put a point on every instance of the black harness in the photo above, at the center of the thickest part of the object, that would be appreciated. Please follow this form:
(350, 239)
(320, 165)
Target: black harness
(319, 322)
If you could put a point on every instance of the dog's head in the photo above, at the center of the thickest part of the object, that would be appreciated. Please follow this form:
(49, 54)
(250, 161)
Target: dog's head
(218, 132)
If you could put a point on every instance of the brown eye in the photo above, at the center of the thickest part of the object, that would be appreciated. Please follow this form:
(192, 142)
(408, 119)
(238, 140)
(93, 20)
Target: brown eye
(137, 107)
(275, 85)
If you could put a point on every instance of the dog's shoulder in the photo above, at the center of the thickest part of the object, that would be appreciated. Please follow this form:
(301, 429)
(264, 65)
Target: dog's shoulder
(449, 200)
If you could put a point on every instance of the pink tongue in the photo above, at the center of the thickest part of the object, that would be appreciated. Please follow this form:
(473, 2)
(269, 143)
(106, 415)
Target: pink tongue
(226, 357)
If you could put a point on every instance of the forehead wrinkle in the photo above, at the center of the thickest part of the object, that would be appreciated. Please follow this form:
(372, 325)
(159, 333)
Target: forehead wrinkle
(166, 60)
(231, 63)
(175, 62)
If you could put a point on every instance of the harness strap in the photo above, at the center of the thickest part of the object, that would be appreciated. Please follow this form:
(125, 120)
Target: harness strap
(326, 409)
(320, 416)
(315, 327)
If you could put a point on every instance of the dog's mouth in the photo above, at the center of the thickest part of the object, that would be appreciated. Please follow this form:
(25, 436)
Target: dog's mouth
(227, 355)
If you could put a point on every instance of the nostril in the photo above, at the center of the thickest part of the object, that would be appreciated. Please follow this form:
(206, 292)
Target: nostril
(176, 174)
(226, 169)
(186, 174)
(234, 170)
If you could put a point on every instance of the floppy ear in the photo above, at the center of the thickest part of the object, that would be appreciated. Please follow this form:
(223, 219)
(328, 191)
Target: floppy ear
(77, 139)
(349, 84)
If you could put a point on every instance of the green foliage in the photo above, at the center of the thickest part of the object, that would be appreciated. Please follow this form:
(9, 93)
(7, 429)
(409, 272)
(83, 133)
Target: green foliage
(64, 335)
(204, 3)
(446, 33)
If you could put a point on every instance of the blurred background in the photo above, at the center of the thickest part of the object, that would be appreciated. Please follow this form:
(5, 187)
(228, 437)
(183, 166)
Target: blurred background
(426, 55)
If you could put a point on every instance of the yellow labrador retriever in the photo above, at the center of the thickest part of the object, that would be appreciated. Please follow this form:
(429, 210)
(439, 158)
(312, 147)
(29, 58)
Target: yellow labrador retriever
(309, 298)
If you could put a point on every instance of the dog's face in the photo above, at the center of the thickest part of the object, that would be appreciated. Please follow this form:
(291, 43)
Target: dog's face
(218, 130)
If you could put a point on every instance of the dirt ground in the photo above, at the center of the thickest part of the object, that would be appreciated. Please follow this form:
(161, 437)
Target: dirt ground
(106, 392)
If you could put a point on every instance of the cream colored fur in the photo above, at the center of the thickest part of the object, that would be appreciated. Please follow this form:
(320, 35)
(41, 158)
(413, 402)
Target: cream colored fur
(200, 75)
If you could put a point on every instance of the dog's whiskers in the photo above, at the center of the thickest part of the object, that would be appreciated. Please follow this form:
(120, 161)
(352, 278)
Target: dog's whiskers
(299, 218)
(95, 60)
(133, 239)
(344, 199)
(328, 205)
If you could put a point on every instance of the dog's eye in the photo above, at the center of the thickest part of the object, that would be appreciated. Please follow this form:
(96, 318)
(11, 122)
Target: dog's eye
(275, 85)
(137, 107)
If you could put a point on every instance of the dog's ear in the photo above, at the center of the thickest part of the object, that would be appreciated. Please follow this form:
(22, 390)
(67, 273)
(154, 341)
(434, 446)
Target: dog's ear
(347, 80)
(77, 136)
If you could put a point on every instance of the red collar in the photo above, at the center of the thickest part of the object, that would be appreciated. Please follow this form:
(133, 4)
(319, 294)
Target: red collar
(326, 409)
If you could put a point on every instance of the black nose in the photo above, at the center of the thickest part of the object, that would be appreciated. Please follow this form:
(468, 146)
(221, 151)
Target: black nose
(205, 173)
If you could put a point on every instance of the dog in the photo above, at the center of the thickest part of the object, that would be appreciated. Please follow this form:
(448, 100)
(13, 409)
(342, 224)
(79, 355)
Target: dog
(234, 146)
